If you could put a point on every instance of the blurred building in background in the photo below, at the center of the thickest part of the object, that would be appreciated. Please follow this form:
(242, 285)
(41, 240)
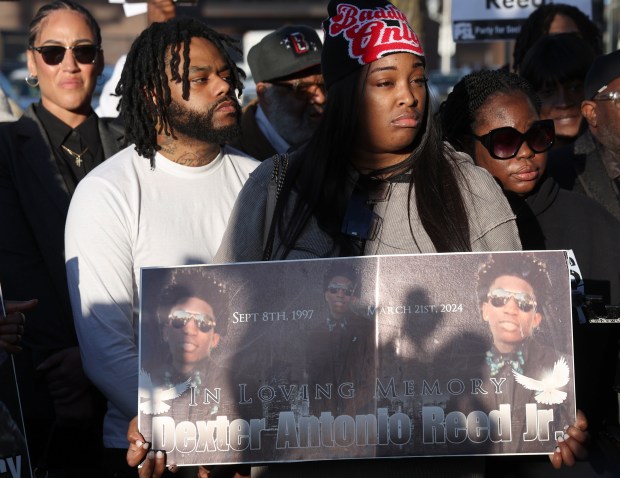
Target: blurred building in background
(446, 61)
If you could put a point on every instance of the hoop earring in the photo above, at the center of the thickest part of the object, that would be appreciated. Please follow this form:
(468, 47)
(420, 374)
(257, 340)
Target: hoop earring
(31, 80)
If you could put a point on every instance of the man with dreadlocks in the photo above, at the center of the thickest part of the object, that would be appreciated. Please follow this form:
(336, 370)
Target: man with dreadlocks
(165, 200)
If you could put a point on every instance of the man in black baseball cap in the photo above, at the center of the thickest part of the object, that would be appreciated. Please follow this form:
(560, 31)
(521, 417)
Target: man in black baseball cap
(286, 67)
(603, 74)
(592, 166)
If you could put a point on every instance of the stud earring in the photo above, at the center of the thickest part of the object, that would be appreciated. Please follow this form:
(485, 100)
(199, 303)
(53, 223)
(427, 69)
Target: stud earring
(31, 80)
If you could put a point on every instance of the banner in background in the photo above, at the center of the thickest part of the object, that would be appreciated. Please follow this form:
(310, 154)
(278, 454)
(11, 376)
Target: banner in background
(477, 20)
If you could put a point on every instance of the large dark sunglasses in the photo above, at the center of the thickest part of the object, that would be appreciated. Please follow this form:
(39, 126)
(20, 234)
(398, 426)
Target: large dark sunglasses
(179, 319)
(500, 297)
(54, 54)
(504, 143)
(335, 288)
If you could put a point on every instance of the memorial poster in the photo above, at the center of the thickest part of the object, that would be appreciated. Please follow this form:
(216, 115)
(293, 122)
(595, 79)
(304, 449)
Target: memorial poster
(14, 462)
(433, 355)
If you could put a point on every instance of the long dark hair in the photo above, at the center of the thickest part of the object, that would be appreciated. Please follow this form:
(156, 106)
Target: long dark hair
(321, 173)
(145, 115)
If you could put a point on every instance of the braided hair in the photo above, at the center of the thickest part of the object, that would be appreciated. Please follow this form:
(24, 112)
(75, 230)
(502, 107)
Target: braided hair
(35, 25)
(144, 85)
(458, 112)
(539, 22)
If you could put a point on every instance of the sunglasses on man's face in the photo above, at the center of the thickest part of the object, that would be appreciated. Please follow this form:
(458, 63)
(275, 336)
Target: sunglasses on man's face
(335, 288)
(54, 54)
(500, 297)
(179, 319)
(504, 143)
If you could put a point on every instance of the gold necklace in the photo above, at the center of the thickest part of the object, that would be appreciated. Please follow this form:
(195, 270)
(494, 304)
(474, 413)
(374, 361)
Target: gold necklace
(77, 156)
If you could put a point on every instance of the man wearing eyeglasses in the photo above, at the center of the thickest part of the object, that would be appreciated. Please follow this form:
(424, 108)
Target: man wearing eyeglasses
(518, 370)
(179, 355)
(592, 165)
(286, 67)
(339, 355)
(338, 294)
(189, 331)
(190, 313)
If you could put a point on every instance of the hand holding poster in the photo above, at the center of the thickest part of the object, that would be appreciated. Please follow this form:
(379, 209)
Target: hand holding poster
(449, 354)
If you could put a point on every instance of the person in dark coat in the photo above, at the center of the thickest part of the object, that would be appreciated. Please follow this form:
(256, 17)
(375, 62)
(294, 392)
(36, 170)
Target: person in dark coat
(340, 348)
(493, 116)
(43, 156)
(591, 166)
(515, 296)
(286, 67)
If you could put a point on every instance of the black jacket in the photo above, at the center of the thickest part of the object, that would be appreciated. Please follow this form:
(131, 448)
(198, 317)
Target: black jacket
(579, 167)
(554, 218)
(34, 201)
(252, 140)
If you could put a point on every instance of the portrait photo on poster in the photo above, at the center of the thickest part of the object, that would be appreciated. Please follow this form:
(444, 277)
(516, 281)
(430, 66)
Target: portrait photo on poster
(434, 355)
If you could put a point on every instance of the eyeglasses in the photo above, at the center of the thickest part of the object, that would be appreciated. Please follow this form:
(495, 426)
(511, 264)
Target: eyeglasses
(504, 143)
(179, 319)
(54, 54)
(500, 297)
(613, 96)
(303, 88)
(335, 288)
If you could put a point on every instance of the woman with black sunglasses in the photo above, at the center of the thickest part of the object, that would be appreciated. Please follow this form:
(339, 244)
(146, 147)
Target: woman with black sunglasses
(43, 156)
(494, 117)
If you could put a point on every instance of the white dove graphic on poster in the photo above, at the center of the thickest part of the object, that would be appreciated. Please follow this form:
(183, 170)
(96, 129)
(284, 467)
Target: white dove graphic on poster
(547, 388)
(157, 396)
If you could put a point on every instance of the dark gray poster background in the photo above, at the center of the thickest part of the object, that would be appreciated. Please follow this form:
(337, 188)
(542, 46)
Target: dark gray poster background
(427, 343)
(14, 461)
(14, 458)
